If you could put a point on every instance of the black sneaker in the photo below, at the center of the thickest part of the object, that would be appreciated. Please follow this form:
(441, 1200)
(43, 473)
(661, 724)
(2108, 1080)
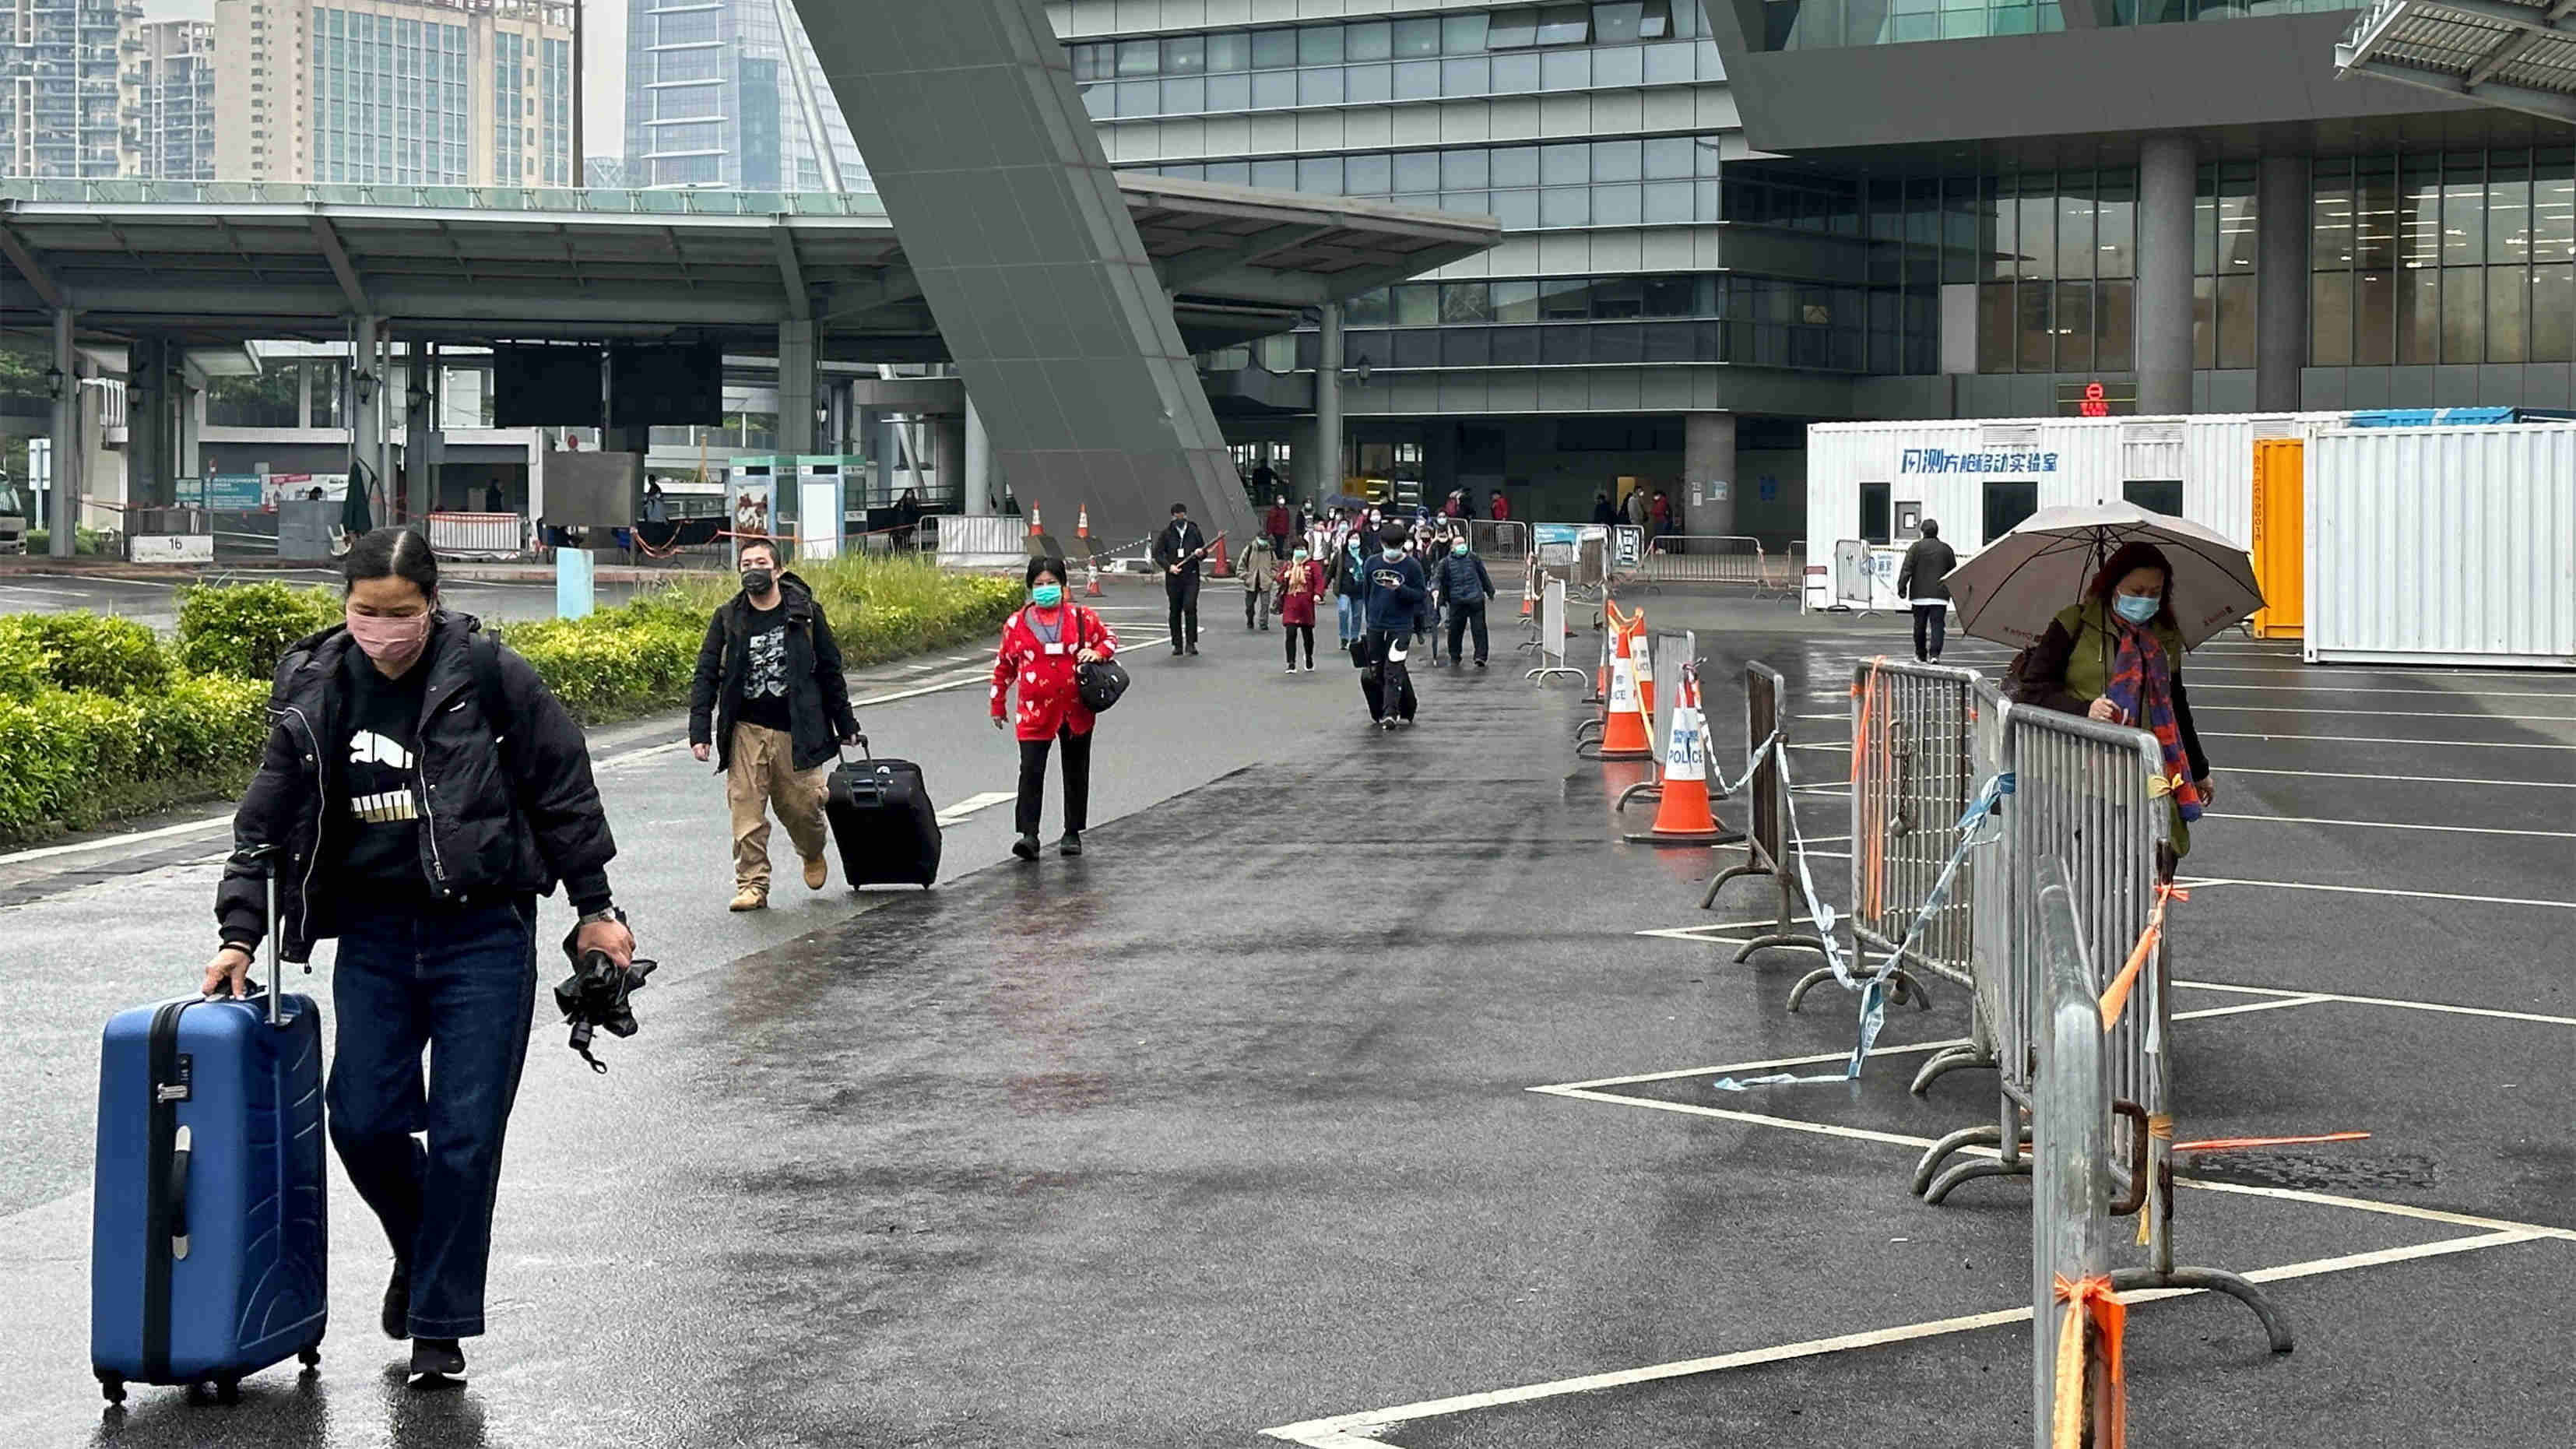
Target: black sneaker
(1194, 649)
(1026, 847)
(397, 1313)
(1480, 664)
(1071, 844)
(436, 1361)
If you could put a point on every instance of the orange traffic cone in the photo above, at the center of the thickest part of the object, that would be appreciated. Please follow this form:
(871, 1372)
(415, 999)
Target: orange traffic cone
(1684, 817)
(1624, 737)
(1221, 569)
(1082, 523)
(1035, 527)
(1091, 579)
(1643, 650)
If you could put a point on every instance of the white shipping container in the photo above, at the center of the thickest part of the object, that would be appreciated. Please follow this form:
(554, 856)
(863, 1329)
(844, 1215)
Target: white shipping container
(2442, 545)
(1944, 467)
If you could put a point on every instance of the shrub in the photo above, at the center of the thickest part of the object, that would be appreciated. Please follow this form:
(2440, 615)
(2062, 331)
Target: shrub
(91, 652)
(241, 629)
(205, 722)
(26, 664)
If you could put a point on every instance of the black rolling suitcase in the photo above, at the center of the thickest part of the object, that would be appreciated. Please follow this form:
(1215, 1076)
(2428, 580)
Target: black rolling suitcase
(882, 819)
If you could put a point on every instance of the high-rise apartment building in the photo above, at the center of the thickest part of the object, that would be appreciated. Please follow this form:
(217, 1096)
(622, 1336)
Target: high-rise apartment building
(63, 89)
(171, 101)
(399, 92)
(728, 93)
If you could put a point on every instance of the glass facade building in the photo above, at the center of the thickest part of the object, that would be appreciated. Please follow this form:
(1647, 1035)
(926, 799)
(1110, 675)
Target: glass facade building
(173, 106)
(728, 93)
(63, 88)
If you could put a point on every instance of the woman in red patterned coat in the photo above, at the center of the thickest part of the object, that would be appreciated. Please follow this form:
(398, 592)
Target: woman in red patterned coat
(1043, 647)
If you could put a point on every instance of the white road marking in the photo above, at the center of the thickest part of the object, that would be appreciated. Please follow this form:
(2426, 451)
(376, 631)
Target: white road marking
(2403, 1005)
(112, 842)
(973, 803)
(2375, 740)
(2197, 687)
(1344, 1430)
(2409, 779)
(2389, 713)
(2295, 885)
(2399, 825)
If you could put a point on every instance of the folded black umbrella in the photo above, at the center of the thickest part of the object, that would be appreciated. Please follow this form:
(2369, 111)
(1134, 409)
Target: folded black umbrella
(595, 997)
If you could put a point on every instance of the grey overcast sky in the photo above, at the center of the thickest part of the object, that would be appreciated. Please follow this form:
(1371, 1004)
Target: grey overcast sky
(603, 44)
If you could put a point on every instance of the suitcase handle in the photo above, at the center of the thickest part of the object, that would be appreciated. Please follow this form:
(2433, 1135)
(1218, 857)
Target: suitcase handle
(843, 750)
(264, 857)
(178, 1199)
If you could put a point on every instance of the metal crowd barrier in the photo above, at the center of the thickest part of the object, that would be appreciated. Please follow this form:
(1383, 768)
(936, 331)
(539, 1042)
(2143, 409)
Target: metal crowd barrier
(1987, 897)
(1765, 853)
(502, 535)
(2086, 798)
(1912, 778)
(2071, 1208)
(1505, 540)
(1701, 558)
(1551, 634)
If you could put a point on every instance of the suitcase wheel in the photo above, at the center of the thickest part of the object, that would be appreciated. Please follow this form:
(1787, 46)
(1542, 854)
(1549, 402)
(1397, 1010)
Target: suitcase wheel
(112, 1387)
(310, 1356)
(226, 1390)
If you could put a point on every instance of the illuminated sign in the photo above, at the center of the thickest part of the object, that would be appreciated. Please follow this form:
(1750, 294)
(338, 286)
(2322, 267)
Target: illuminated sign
(2096, 399)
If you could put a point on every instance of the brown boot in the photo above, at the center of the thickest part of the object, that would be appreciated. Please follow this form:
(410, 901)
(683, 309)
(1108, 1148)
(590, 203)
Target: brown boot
(750, 898)
(815, 874)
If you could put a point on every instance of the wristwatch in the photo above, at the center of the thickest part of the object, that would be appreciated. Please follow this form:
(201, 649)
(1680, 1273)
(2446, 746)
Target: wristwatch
(604, 913)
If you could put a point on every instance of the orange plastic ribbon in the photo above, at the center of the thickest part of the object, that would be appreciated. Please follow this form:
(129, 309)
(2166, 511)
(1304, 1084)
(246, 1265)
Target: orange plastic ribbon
(2115, 997)
(2238, 1144)
(2089, 1300)
(1868, 838)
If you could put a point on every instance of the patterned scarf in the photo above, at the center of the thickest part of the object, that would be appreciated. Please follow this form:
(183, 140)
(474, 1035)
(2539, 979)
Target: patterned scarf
(2142, 688)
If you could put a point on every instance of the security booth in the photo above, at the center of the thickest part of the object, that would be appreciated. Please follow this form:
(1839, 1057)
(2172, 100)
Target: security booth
(822, 504)
(592, 493)
(752, 501)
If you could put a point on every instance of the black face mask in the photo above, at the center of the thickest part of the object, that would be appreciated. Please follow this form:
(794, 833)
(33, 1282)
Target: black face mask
(757, 581)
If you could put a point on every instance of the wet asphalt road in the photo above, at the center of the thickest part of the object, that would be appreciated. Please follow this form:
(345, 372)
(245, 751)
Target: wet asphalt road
(1227, 1125)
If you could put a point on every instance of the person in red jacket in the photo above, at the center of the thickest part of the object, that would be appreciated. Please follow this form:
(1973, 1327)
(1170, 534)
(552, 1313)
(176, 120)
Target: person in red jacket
(1042, 648)
(1278, 523)
(1301, 584)
(1502, 505)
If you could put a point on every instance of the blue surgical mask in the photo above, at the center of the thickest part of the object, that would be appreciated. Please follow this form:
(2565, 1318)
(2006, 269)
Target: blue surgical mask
(1393, 554)
(2136, 608)
(1458, 548)
(1047, 596)
(1300, 555)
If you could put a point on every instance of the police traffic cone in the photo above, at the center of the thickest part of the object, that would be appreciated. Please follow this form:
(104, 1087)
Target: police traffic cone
(1624, 736)
(1035, 527)
(1082, 523)
(1643, 650)
(1091, 579)
(1221, 569)
(1684, 817)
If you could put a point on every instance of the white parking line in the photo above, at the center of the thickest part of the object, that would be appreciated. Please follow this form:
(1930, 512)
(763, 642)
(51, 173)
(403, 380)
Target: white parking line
(2197, 687)
(112, 842)
(973, 803)
(2388, 713)
(2293, 885)
(1366, 1428)
(2399, 825)
(2375, 740)
(2436, 1006)
(2356, 775)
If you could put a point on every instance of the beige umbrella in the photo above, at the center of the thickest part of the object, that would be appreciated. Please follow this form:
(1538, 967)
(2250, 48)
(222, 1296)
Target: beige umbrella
(2009, 592)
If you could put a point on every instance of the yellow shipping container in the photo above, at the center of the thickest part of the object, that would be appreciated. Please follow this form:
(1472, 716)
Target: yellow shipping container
(2280, 559)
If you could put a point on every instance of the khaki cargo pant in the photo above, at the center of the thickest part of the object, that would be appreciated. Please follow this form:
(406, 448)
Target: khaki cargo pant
(763, 775)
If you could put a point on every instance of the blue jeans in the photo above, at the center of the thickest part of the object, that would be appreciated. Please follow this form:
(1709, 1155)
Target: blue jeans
(461, 983)
(1346, 610)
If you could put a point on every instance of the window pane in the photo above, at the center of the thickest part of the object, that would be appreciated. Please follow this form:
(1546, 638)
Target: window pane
(1138, 98)
(1617, 160)
(2031, 326)
(1229, 92)
(1515, 301)
(2330, 224)
(2508, 314)
(2236, 321)
(1516, 346)
(1624, 66)
(1281, 175)
(1511, 29)
(1320, 174)
(2508, 209)
(2163, 495)
(1368, 309)
(2007, 504)
(2374, 335)
(1617, 24)
(1466, 77)
(2330, 319)
(2419, 223)
(1319, 45)
(2419, 314)
(1516, 210)
(2074, 322)
(1564, 24)
(1463, 34)
(1185, 55)
(1229, 50)
(1668, 201)
(1417, 304)
(1370, 41)
(1417, 80)
(2553, 314)
(1463, 302)
(1565, 70)
(1669, 296)
(1658, 20)
(1184, 96)
(1462, 170)
(1320, 87)
(2464, 308)
(2375, 218)
(1367, 83)
(1995, 327)
(1618, 205)
(1668, 157)
(1274, 88)
(1565, 165)
(2464, 211)
(2112, 318)
(2204, 322)
(1417, 171)
(1562, 299)
(1515, 74)
(2075, 229)
(2003, 217)
(1273, 49)
(1417, 37)
(1139, 57)
(1565, 206)
(1369, 175)
(1874, 513)
(1232, 173)
(1515, 166)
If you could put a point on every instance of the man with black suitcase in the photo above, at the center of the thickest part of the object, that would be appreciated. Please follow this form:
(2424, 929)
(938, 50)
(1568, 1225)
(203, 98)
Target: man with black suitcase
(769, 704)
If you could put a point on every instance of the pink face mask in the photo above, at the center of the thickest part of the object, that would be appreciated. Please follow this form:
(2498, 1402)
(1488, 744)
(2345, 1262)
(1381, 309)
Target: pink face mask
(393, 643)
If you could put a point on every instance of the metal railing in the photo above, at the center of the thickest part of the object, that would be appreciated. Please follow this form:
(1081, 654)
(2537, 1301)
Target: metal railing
(615, 201)
(1912, 780)
(2086, 798)
(1690, 558)
(1765, 852)
(481, 535)
(1551, 634)
(2070, 1224)
(1988, 900)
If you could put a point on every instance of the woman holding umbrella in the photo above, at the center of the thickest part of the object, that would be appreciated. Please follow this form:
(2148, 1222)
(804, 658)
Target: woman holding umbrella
(2116, 656)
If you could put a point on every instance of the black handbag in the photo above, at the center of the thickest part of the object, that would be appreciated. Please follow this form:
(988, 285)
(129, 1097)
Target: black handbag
(1100, 683)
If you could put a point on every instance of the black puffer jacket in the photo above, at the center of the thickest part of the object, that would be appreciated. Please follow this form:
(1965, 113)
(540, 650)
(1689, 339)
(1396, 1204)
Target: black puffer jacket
(818, 695)
(506, 821)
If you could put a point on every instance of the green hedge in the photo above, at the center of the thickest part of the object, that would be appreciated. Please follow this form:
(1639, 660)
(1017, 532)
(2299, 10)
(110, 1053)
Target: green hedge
(100, 718)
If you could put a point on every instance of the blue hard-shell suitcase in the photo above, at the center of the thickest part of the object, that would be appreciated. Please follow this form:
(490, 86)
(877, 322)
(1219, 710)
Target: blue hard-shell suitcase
(207, 1242)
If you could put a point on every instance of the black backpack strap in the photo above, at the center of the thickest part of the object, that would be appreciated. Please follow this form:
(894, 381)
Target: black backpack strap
(484, 653)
